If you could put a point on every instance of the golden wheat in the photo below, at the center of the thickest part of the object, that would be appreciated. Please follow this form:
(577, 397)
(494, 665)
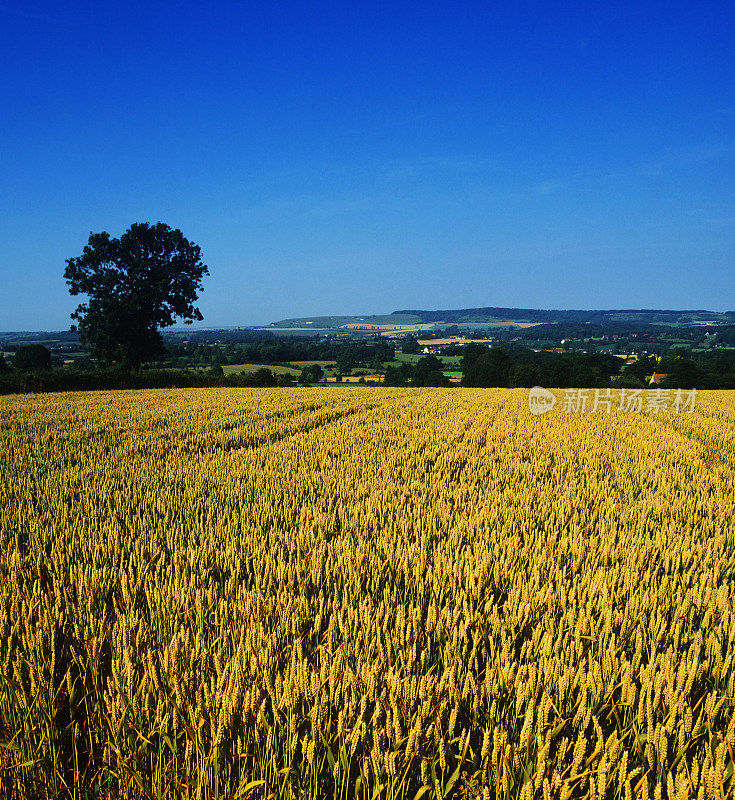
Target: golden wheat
(364, 593)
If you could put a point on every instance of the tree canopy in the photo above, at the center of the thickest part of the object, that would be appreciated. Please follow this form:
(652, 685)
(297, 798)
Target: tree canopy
(32, 358)
(136, 284)
(485, 366)
(312, 373)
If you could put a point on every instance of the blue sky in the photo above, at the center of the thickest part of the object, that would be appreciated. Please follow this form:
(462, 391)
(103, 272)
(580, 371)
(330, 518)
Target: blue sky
(336, 159)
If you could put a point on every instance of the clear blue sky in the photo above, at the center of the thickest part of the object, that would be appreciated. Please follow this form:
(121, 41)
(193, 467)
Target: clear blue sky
(337, 159)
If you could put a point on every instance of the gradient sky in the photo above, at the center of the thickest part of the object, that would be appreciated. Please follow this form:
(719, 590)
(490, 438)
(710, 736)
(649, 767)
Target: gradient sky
(335, 159)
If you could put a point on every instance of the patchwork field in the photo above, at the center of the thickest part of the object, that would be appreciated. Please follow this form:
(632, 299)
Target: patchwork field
(358, 592)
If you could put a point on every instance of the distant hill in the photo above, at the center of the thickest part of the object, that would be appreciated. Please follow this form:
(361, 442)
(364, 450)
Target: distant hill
(367, 320)
(498, 316)
(643, 316)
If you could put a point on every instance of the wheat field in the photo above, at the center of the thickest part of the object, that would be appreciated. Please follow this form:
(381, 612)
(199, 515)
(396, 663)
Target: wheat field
(366, 593)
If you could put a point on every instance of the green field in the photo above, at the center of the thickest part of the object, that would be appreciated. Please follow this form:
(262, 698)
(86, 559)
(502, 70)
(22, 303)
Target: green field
(322, 364)
(230, 369)
(278, 369)
(412, 358)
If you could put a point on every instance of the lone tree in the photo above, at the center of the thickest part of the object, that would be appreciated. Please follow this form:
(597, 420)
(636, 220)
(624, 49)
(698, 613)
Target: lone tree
(312, 373)
(32, 358)
(485, 366)
(136, 285)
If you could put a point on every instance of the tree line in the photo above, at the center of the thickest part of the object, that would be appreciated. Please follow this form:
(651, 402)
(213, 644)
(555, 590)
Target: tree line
(372, 353)
(481, 366)
(13, 381)
(523, 367)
